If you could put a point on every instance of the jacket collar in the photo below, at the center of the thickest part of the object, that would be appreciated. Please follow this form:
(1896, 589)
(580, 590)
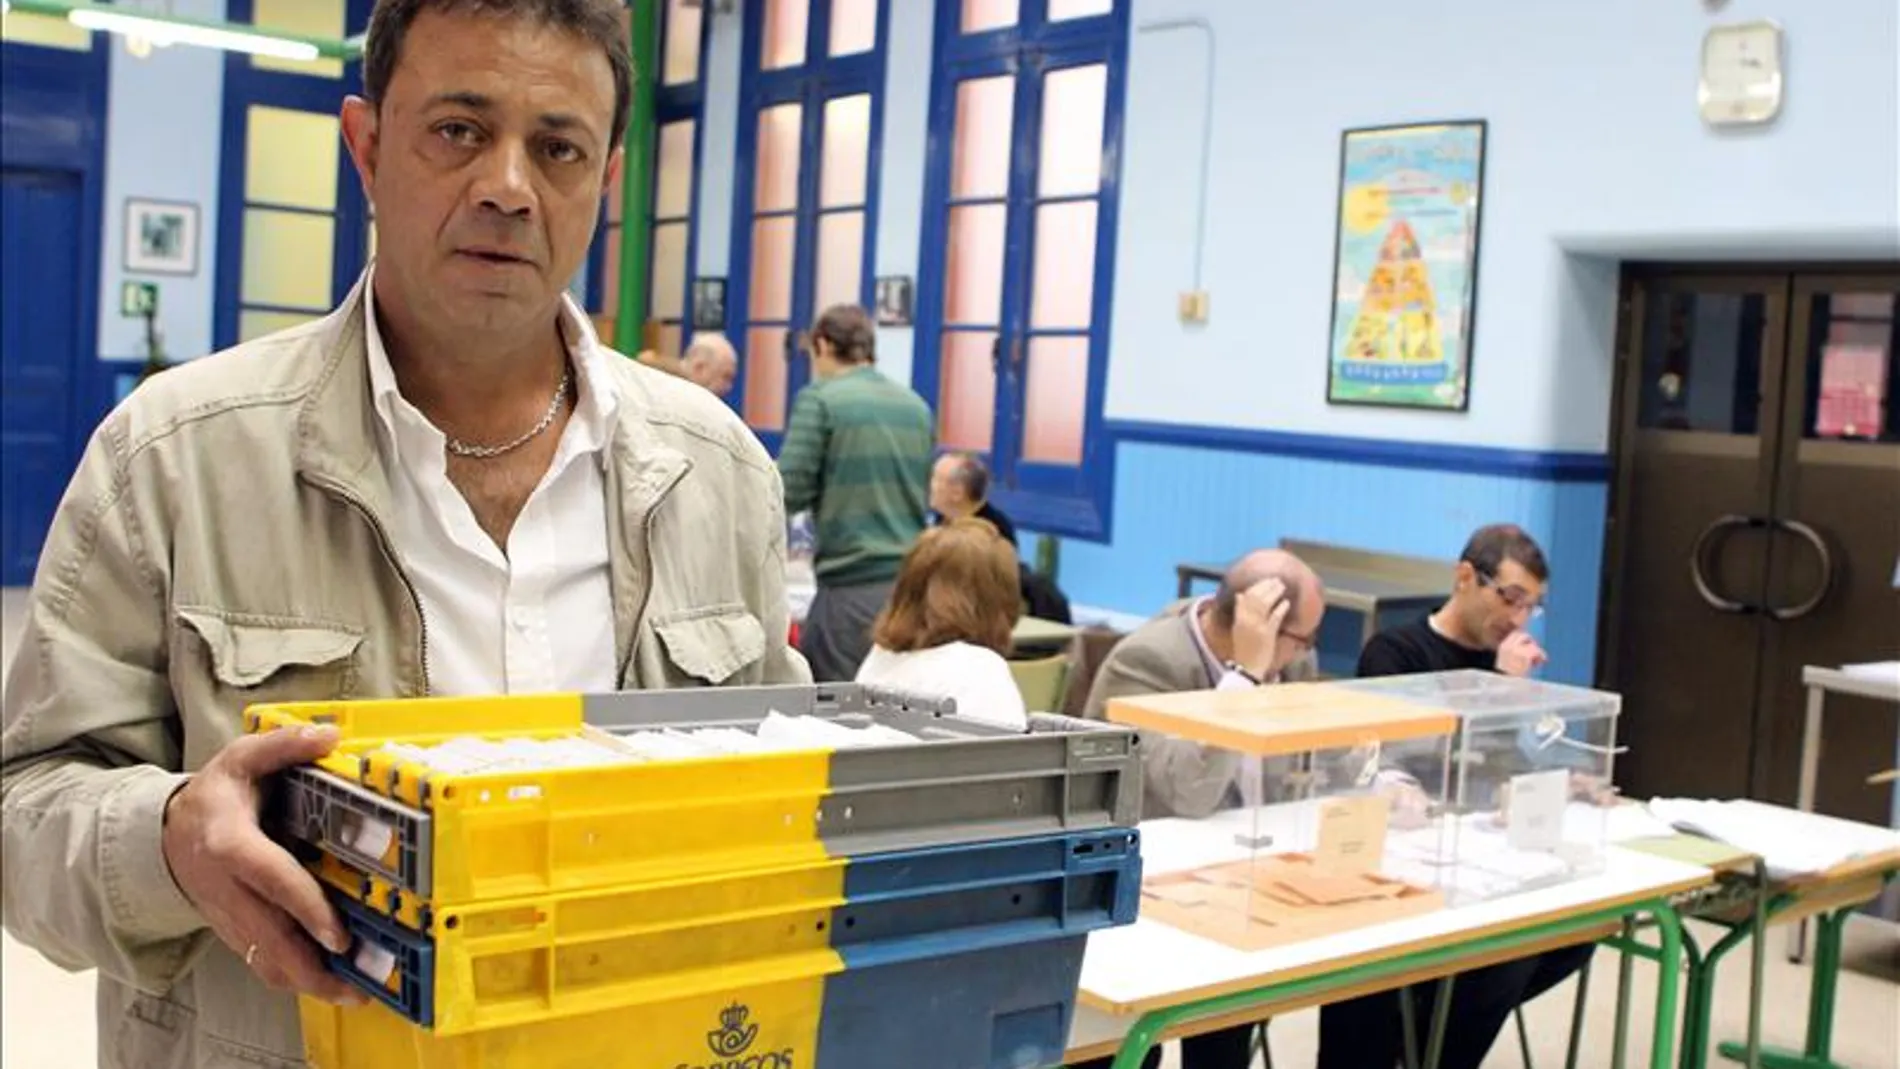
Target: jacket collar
(336, 450)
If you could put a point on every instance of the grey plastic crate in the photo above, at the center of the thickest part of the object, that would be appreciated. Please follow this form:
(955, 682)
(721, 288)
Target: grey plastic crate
(968, 781)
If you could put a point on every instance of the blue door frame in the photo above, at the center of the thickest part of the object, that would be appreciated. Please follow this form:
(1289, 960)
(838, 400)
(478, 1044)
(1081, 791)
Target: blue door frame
(1053, 498)
(819, 79)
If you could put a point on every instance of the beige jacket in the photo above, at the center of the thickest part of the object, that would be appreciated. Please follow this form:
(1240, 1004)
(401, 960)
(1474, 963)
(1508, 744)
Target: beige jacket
(224, 542)
(1180, 777)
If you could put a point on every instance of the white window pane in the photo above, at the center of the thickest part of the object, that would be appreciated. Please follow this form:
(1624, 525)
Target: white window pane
(765, 375)
(253, 324)
(966, 394)
(973, 265)
(1055, 401)
(776, 159)
(981, 15)
(1078, 9)
(668, 297)
(290, 158)
(847, 151)
(20, 28)
(673, 196)
(786, 23)
(681, 66)
(772, 240)
(1073, 103)
(853, 26)
(315, 18)
(287, 259)
(980, 156)
(840, 261)
(1064, 284)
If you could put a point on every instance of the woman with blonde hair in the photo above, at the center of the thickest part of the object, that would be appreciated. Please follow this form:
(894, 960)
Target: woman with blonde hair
(946, 629)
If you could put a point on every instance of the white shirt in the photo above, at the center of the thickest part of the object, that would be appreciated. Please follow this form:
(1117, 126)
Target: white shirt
(978, 678)
(539, 618)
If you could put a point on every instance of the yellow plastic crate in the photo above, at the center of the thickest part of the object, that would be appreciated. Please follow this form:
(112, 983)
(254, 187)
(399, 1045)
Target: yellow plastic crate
(441, 841)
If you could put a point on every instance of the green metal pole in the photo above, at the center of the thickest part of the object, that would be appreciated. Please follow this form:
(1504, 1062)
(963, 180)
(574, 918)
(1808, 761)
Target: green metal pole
(1668, 979)
(636, 184)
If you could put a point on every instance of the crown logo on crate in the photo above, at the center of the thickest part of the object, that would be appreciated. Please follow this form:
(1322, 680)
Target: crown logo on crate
(734, 1035)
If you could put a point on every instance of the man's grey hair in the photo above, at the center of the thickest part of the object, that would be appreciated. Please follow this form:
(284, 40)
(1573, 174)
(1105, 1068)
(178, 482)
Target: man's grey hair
(708, 345)
(970, 473)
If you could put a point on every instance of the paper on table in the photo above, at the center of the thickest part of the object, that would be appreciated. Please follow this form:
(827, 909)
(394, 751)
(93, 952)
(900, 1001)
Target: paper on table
(1352, 834)
(1792, 843)
(1537, 801)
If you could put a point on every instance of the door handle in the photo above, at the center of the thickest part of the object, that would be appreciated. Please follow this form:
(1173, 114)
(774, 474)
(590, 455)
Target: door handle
(1713, 535)
(1813, 538)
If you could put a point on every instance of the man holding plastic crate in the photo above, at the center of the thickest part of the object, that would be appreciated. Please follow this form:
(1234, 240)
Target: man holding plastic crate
(1498, 588)
(1256, 630)
(449, 486)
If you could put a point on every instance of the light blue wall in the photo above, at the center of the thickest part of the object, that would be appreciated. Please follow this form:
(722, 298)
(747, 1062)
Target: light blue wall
(162, 142)
(719, 141)
(1595, 152)
(1175, 503)
(901, 185)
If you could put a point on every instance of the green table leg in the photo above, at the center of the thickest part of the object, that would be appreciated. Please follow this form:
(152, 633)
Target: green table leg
(1698, 995)
(1824, 986)
(1626, 971)
(1668, 978)
(1441, 1014)
(1576, 1017)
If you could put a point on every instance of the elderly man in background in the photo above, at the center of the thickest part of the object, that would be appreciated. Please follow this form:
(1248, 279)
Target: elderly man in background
(711, 362)
(1258, 629)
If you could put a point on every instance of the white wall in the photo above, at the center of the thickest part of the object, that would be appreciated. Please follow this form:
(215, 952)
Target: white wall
(1595, 152)
(163, 124)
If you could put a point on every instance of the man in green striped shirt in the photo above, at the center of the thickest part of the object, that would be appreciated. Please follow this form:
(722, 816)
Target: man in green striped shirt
(857, 452)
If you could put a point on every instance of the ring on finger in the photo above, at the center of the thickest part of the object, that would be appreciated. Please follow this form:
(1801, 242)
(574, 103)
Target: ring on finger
(250, 955)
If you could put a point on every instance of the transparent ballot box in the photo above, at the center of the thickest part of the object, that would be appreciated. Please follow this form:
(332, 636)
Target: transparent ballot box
(1284, 806)
(1530, 790)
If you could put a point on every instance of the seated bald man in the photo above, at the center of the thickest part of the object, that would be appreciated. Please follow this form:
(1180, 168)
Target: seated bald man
(711, 362)
(1256, 630)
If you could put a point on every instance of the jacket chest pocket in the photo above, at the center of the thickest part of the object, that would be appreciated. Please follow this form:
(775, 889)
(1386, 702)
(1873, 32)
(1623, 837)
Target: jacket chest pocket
(250, 660)
(708, 646)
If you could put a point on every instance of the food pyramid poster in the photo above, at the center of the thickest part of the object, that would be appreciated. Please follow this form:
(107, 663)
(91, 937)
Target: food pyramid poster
(1406, 274)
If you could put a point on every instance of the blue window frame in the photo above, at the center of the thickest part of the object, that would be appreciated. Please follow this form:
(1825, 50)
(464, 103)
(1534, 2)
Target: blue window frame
(247, 222)
(805, 188)
(673, 239)
(1014, 290)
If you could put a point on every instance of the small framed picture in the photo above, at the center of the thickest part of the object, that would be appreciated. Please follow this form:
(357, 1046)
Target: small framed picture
(709, 304)
(893, 301)
(161, 237)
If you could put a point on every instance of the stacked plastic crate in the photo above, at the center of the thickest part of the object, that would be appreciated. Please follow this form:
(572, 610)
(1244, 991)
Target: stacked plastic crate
(526, 884)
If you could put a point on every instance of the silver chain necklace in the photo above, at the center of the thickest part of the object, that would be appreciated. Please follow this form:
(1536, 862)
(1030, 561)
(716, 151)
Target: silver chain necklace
(490, 452)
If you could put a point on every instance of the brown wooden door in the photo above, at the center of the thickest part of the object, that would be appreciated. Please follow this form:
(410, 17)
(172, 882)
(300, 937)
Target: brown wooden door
(1701, 361)
(1752, 532)
(1832, 596)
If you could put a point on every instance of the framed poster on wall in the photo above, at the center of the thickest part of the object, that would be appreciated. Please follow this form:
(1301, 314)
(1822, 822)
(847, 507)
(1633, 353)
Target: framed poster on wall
(1405, 265)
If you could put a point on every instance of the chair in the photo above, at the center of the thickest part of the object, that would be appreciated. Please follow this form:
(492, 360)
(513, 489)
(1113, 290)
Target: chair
(1042, 682)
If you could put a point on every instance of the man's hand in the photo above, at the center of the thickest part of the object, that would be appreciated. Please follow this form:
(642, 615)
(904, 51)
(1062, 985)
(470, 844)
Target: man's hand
(1520, 655)
(252, 893)
(1258, 613)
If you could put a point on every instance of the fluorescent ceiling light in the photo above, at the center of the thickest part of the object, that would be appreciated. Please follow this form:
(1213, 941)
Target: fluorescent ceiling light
(161, 32)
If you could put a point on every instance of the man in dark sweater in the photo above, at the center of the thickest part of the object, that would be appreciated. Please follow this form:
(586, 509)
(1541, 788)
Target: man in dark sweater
(1498, 590)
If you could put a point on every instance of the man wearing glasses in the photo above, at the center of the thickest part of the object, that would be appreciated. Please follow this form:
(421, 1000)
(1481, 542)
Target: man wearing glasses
(1497, 592)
